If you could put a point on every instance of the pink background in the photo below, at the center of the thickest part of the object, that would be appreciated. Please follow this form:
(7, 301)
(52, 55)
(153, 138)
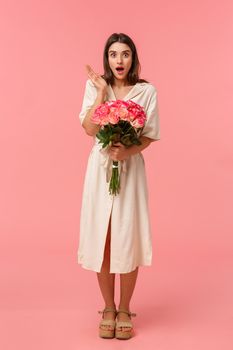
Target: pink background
(184, 301)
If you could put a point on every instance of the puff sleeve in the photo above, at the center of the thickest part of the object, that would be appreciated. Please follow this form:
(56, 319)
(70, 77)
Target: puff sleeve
(89, 97)
(151, 128)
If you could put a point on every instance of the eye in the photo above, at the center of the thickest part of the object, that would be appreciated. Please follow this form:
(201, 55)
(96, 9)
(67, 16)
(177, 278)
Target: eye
(113, 54)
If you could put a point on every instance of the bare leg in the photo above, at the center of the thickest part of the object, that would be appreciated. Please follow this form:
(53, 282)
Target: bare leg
(106, 279)
(127, 282)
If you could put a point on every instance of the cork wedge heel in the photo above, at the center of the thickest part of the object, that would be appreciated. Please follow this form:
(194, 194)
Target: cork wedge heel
(107, 332)
(120, 332)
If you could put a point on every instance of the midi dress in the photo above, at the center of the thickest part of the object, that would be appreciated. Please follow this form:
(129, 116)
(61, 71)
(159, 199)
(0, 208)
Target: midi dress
(131, 236)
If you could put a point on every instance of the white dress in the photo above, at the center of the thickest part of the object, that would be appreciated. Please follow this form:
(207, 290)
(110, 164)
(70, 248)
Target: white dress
(131, 241)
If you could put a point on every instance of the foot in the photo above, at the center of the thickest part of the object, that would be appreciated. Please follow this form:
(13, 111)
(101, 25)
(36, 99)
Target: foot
(121, 316)
(108, 315)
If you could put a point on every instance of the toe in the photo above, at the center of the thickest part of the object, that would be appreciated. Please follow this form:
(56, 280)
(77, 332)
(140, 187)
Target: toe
(125, 329)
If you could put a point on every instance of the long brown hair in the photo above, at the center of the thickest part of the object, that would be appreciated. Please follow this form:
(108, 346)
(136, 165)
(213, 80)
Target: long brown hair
(133, 74)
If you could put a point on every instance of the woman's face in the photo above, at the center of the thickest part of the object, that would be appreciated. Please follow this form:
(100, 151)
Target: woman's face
(120, 55)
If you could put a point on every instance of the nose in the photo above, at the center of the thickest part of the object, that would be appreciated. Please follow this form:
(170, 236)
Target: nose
(119, 59)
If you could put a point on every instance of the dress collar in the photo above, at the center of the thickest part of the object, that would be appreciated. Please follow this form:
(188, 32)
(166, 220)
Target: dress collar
(134, 91)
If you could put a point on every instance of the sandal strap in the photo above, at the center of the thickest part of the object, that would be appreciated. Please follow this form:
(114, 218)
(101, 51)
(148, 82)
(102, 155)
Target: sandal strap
(107, 309)
(107, 323)
(127, 312)
(124, 324)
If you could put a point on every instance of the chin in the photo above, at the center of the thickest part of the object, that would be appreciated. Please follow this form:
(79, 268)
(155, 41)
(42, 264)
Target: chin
(121, 77)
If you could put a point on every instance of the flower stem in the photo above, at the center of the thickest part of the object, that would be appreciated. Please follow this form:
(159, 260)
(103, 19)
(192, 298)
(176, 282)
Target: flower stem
(114, 185)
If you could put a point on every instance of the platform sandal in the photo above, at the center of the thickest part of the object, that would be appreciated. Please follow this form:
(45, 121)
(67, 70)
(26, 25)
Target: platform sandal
(121, 333)
(110, 331)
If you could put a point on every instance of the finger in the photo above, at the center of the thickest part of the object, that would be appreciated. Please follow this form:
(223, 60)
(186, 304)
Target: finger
(91, 76)
(91, 71)
(88, 68)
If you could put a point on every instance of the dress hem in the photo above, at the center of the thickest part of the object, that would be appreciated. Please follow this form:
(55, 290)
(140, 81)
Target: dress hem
(120, 272)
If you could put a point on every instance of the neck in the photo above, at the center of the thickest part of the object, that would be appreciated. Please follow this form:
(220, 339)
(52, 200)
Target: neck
(120, 83)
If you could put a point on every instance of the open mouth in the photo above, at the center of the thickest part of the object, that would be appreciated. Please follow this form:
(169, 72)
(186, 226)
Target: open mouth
(120, 69)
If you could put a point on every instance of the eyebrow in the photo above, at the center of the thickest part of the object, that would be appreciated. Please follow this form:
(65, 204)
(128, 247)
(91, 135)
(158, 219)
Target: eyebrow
(122, 51)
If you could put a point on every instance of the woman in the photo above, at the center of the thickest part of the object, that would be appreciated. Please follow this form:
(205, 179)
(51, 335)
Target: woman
(115, 234)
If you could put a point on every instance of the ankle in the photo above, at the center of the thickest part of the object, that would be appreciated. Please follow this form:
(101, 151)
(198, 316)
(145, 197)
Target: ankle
(111, 306)
(123, 307)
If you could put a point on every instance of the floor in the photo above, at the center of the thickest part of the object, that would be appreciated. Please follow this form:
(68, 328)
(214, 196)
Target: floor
(183, 302)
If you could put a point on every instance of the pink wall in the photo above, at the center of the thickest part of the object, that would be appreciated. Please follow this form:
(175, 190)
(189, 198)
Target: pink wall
(185, 50)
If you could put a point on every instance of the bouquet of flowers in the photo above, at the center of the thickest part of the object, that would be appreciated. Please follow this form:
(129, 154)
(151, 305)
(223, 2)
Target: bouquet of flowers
(120, 121)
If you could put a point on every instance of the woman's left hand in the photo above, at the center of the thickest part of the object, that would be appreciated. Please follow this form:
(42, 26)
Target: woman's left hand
(118, 151)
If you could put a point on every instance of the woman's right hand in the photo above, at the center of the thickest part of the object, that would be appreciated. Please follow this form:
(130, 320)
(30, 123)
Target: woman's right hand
(97, 80)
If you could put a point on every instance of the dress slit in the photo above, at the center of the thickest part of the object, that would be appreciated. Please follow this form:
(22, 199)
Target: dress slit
(109, 222)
